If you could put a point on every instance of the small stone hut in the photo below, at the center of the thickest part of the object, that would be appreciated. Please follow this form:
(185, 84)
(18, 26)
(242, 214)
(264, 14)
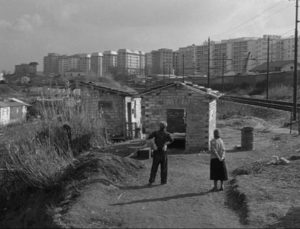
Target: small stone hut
(118, 106)
(189, 110)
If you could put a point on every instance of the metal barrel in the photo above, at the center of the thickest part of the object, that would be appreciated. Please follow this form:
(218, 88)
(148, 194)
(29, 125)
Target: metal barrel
(247, 139)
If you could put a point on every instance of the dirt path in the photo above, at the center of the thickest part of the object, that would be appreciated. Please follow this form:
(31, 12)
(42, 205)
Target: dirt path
(183, 202)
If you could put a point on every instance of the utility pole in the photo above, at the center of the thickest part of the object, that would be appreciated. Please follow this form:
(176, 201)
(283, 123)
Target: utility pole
(208, 64)
(223, 66)
(164, 63)
(295, 65)
(183, 67)
(268, 68)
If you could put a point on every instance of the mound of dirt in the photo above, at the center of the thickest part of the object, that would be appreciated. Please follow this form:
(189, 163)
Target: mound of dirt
(45, 208)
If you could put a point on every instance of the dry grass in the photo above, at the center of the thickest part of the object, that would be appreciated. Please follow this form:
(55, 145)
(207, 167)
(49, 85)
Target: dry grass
(38, 153)
(269, 191)
(228, 110)
(281, 92)
(255, 167)
(37, 164)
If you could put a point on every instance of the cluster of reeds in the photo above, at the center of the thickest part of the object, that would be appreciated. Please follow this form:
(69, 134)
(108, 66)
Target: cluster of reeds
(40, 159)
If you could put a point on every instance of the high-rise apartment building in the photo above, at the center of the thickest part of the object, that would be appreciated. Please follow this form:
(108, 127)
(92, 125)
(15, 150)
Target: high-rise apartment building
(109, 62)
(287, 48)
(219, 58)
(261, 49)
(96, 64)
(63, 65)
(84, 63)
(175, 62)
(142, 62)
(162, 61)
(68, 64)
(51, 63)
(202, 59)
(148, 63)
(26, 69)
(242, 53)
(187, 60)
(130, 62)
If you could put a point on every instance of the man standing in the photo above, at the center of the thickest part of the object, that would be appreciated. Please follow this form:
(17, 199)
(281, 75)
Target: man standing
(161, 139)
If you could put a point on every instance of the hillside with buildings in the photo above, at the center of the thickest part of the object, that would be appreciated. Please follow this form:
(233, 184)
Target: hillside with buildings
(225, 57)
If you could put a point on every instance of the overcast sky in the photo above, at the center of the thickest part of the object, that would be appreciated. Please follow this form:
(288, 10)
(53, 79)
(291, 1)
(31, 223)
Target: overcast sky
(29, 29)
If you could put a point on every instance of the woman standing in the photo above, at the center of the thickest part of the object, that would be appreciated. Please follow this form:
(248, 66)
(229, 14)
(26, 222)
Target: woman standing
(218, 170)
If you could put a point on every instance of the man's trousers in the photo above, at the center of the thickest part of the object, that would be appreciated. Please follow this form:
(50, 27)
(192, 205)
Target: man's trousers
(159, 158)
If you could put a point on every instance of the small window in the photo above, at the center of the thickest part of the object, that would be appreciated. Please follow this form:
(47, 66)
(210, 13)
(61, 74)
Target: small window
(105, 105)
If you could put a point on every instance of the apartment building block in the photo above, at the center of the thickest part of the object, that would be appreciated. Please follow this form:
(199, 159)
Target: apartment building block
(109, 62)
(187, 60)
(26, 69)
(175, 61)
(96, 64)
(51, 63)
(202, 59)
(68, 64)
(84, 63)
(162, 61)
(261, 49)
(148, 63)
(242, 53)
(219, 59)
(130, 62)
(142, 59)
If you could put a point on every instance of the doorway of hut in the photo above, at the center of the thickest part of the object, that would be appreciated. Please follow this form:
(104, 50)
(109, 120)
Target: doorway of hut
(176, 120)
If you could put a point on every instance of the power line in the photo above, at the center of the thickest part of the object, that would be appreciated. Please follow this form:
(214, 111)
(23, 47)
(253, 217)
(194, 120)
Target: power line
(251, 20)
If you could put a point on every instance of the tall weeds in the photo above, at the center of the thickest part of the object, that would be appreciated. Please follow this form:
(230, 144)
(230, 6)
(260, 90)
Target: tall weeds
(280, 92)
(39, 158)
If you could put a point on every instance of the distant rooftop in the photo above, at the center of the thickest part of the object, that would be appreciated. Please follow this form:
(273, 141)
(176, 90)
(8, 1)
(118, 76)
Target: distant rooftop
(97, 54)
(110, 52)
(189, 85)
(110, 85)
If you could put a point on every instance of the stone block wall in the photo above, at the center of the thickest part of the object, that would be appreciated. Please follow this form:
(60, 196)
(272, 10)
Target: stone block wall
(199, 109)
(107, 106)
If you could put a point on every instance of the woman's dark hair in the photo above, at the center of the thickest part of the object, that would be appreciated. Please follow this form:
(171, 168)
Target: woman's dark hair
(217, 133)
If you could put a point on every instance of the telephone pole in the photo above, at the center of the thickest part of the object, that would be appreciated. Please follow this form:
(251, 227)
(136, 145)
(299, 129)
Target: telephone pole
(208, 64)
(295, 65)
(182, 67)
(268, 68)
(223, 66)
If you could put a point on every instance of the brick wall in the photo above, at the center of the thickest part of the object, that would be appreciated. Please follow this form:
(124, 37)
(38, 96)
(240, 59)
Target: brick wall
(200, 114)
(112, 108)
